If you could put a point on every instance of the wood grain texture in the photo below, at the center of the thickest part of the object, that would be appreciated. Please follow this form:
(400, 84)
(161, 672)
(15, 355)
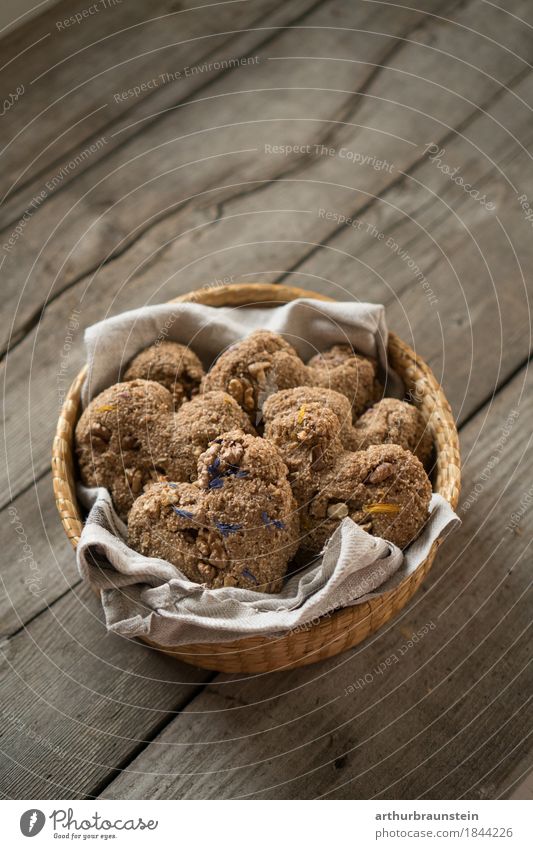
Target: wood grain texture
(150, 226)
(92, 698)
(79, 88)
(197, 156)
(38, 567)
(435, 722)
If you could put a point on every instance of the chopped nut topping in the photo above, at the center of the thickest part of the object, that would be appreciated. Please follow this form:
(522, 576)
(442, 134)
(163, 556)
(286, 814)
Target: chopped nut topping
(236, 389)
(230, 581)
(381, 473)
(337, 511)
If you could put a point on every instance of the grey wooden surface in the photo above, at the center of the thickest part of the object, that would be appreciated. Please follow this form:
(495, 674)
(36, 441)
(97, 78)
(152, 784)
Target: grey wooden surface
(183, 190)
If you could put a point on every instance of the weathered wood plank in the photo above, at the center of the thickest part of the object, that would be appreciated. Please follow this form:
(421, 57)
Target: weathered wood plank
(258, 241)
(340, 741)
(38, 564)
(215, 47)
(220, 142)
(75, 78)
(387, 719)
(475, 261)
(77, 701)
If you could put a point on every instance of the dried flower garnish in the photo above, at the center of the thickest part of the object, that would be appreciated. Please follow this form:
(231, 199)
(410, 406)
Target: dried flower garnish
(247, 574)
(216, 476)
(301, 414)
(226, 528)
(213, 467)
(382, 507)
(105, 408)
(185, 514)
(235, 471)
(276, 523)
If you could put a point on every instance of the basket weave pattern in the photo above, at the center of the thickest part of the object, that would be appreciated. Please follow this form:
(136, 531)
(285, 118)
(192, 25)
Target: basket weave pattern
(344, 628)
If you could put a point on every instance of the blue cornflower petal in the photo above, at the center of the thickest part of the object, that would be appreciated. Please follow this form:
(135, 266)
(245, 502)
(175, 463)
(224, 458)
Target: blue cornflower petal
(277, 523)
(214, 466)
(248, 574)
(226, 528)
(185, 514)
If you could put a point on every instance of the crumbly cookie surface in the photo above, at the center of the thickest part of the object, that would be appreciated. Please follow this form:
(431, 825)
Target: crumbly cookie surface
(174, 366)
(353, 375)
(309, 442)
(113, 439)
(254, 368)
(305, 398)
(236, 526)
(394, 421)
(384, 489)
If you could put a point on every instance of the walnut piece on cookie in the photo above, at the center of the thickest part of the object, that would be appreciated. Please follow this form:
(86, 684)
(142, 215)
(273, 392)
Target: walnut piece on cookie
(254, 368)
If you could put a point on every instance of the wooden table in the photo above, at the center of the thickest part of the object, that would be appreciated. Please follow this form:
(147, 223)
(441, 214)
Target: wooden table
(273, 141)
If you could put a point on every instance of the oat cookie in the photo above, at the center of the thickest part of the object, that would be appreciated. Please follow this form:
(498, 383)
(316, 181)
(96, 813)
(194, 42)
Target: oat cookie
(175, 366)
(236, 526)
(206, 416)
(394, 421)
(305, 398)
(351, 374)
(254, 368)
(309, 442)
(113, 439)
(384, 489)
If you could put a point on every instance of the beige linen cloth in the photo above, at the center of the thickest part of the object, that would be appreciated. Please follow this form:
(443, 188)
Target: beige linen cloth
(145, 596)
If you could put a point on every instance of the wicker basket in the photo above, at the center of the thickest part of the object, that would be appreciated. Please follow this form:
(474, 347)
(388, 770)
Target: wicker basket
(344, 628)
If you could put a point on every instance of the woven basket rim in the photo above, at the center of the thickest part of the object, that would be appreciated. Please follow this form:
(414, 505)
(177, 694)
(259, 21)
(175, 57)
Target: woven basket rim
(333, 630)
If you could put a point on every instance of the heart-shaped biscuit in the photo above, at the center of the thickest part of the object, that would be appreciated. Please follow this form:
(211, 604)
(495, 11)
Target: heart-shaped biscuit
(236, 526)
